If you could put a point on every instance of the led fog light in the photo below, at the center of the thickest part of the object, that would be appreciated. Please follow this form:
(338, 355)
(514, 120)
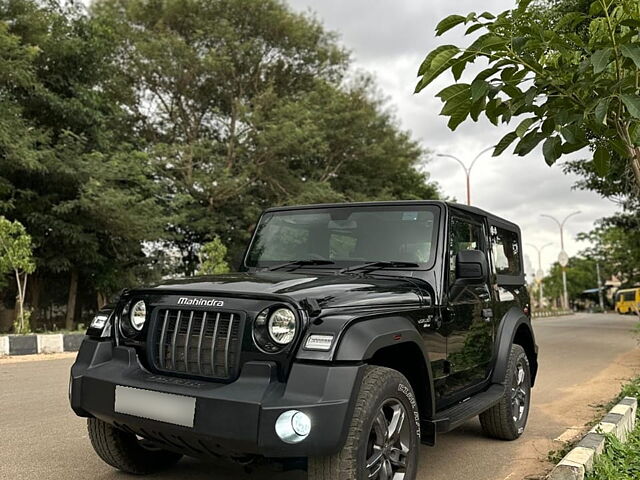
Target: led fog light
(293, 426)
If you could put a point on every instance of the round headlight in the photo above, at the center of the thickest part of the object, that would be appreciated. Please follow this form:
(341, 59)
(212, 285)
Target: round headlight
(282, 326)
(138, 315)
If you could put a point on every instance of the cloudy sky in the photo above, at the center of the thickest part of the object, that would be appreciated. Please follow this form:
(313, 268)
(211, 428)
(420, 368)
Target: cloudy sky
(390, 38)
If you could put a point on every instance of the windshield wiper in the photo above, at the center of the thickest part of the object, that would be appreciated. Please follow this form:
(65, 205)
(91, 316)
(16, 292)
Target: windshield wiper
(301, 263)
(378, 266)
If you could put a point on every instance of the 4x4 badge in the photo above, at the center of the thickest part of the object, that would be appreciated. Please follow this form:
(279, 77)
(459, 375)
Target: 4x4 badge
(200, 302)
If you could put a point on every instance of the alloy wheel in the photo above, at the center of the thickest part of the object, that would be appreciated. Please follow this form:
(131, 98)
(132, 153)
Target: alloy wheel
(389, 441)
(519, 392)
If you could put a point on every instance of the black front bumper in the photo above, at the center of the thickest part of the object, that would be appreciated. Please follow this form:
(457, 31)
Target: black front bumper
(230, 419)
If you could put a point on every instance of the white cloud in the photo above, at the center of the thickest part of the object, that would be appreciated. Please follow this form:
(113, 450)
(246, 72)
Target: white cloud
(390, 39)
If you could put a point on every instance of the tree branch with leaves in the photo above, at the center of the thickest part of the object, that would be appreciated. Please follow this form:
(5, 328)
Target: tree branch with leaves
(571, 79)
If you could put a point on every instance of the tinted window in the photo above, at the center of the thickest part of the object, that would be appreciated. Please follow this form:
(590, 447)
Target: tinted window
(505, 249)
(463, 235)
(346, 235)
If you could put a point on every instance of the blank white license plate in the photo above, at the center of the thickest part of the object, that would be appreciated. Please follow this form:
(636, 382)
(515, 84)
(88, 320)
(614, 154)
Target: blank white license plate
(164, 407)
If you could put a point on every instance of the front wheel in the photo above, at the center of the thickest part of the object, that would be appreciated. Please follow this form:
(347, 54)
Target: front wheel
(507, 419)
(384, 435)
(125, 451)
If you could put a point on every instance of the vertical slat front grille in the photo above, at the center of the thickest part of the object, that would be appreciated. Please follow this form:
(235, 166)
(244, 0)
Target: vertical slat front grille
(197, 342)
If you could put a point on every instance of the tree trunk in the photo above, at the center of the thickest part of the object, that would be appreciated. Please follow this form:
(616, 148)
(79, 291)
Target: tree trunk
(19, 302)
(71, 301)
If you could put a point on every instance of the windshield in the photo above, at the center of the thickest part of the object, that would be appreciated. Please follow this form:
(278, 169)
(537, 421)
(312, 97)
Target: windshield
(346, 236)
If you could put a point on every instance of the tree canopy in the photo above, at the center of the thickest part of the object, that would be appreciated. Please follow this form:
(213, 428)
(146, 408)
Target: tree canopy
(565, 73)
(135, 132)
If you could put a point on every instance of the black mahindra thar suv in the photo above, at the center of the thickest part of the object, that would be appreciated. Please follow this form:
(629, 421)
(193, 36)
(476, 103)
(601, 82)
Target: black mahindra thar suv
(351, 334)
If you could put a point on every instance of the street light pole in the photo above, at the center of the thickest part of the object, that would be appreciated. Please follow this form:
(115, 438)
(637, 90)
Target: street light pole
(467, 170)
(563, 258)
(540, 272)
(600, 298)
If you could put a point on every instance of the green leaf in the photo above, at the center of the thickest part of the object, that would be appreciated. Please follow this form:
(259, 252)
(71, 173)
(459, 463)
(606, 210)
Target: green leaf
(602, 107)
(571, 147)
(473, 28)
(570, 21)
(488, 42)
(477, 108)
(437, 65)
(600, 59)
(620, 147)
(595, 8)
(601, 161)
(448, 23)
(512, 90)
(426, 64)
(453, 91)
(487, 15)
(528, 143)
(631, 51)
(570, 133)
(455, 105)
(632, 102)
(479, 88)
(522, 128)
(548, 126)
(504, 143)
(552, 149)
(522, 5)
(492, 110)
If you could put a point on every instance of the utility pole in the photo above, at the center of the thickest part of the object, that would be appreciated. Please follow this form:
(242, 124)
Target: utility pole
(540, 272)
(600, 297)
(467, 170)
(563, 258)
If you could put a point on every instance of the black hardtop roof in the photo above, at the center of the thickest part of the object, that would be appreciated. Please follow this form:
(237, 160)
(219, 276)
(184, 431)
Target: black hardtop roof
(447, 205)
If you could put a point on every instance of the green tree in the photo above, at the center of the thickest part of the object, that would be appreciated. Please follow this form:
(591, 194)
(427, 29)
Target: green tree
(615, 241)
(581, 276)
(86, 192)
(16, 257)
(241, 112)
(571, 81)
(212, 258)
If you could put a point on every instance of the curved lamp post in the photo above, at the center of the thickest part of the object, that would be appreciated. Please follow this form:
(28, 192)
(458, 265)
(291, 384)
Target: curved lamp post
(467, 170)
(563, 258)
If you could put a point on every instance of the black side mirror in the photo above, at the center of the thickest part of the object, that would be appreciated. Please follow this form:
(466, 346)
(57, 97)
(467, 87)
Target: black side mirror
(471, 267)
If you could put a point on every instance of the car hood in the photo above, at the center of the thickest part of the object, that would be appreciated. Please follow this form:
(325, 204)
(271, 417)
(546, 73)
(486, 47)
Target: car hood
(328, 290)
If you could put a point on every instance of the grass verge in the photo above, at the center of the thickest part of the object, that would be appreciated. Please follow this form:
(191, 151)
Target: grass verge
(621, 461)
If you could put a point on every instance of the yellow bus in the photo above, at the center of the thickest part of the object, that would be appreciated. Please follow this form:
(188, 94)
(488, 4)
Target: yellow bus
(628, 300)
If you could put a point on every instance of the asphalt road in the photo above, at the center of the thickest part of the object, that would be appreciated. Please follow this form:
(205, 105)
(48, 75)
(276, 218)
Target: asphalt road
(583, 360)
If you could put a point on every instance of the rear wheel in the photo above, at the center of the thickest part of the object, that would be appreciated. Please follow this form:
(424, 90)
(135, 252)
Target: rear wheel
(126, 452)
(507, 419)
(384, 435)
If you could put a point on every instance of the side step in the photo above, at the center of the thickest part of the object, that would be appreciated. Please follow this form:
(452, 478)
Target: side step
(446, 420)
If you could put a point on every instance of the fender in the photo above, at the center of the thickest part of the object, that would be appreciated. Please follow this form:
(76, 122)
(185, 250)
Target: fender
(362, 339)
(509, 325)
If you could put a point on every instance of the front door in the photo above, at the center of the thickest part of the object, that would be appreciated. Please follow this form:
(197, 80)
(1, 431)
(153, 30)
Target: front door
(468, 324)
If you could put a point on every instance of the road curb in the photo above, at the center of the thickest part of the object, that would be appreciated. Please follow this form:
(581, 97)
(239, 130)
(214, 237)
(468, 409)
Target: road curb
(41, 343)
(4, 346)
(620, 420)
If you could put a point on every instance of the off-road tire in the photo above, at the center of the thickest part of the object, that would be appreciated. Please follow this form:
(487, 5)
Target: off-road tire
(123, 450)
(498, 422)
(379, 386)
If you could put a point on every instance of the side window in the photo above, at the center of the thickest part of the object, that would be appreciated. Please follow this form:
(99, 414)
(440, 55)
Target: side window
(505, 249)
(463, 235)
